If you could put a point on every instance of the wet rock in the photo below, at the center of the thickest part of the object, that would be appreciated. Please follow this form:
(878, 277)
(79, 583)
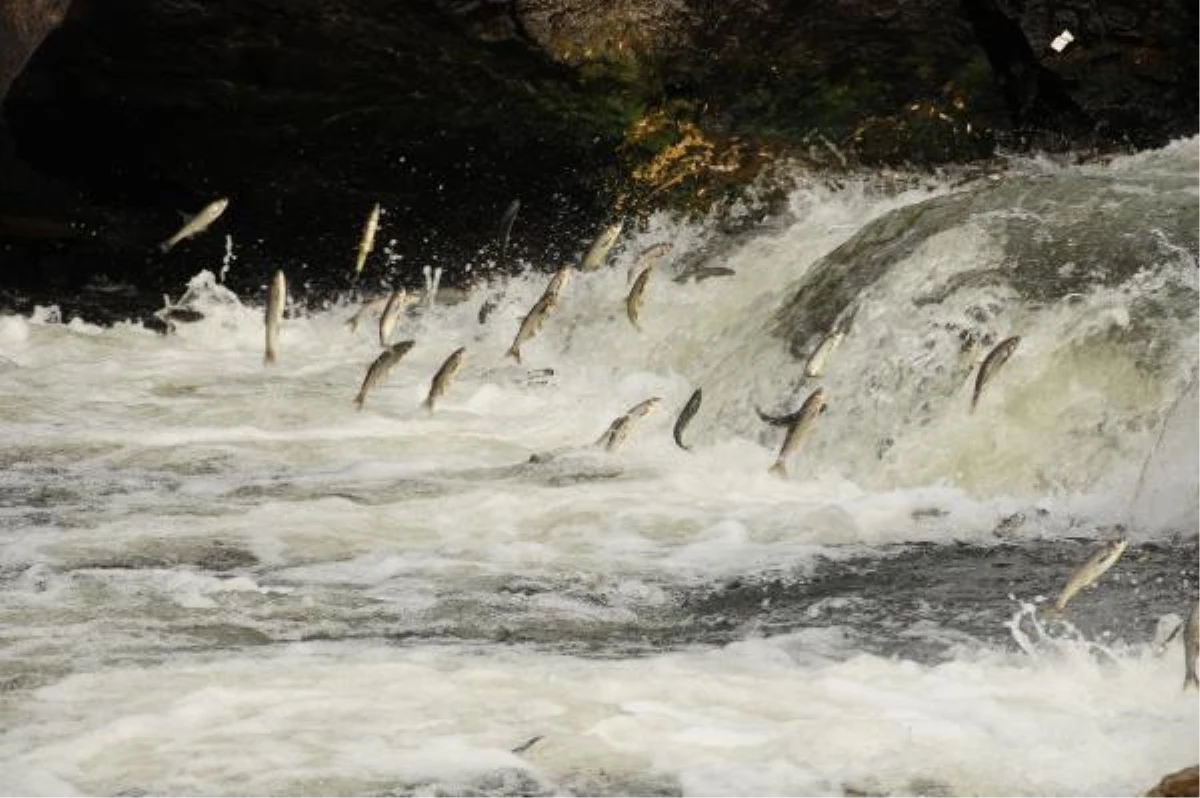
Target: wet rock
(444, 111)
(24, 24)
(1181, 782)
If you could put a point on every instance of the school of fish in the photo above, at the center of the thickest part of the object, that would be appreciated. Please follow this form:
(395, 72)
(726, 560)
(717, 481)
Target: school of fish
(799, 424)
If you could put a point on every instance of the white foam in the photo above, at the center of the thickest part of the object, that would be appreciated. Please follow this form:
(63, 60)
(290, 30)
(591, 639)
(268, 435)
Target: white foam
(125, 448)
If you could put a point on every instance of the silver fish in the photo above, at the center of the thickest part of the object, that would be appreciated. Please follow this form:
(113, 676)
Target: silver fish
(816, 364)
(622, 425)
(1091, 570)
(276, 299)
(594, 257)
(991, 364)
(685, 417)
(647, 259)
(800, 422)
(367, 241)
(370, 306)
(441, 380)
(391, 314)
(1164, 637)
(637, 298)
(536, 316)
(1191, 646)
(701, 273)
(197, 224)
(506, 223)
(380, 368)
(559, 281)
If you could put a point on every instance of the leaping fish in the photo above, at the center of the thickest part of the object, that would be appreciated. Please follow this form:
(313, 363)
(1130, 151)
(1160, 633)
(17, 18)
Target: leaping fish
(197, 224)
(991, 364)
(370, 306)
(1091, 570)
(799, 424)
(391, 314)
(536, 316)
(506, 223)
(594, 257)
(367, 241)
(622, 425)
(685, 417)
(380, 368)
(637, 297)
(815, 367)
(276, 298)
(647, 259)
(441, 380)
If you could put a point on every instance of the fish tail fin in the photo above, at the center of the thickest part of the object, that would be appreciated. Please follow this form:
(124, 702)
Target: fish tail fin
(779, 469)
(165, 246)
(358, 401)
(974, 400)
(269, 358)
(514, 353)
(1191, 682)
(428, 404)
(1051, 612)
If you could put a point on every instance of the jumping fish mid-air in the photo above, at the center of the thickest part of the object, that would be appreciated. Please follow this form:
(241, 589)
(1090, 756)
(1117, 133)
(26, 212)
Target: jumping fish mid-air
(815, 367)
(367, 241)
(276, 299)
(506, 223)
(991, 364)
(637, 297)
(390, 317)
(380, 368)
(1088, 573)
(647, 259)
(197, 224)
(537, 314)
(596, 253)
(685, 417)
(622, 425)
(798, 424)
(368, 307)
(441, 380)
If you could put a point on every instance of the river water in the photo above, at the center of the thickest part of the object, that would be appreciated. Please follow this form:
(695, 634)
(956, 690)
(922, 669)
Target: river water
(220, 578)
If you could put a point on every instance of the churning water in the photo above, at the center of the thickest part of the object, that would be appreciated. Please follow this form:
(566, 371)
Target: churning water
(220, 578)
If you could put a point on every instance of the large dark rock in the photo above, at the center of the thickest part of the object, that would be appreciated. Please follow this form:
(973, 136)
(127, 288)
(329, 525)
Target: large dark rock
(1180, 783)
(306, 112)
(23, 26)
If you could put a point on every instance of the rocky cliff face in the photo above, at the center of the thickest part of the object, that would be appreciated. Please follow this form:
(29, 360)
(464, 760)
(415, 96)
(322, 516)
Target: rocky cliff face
(306, 112)
(23, 26)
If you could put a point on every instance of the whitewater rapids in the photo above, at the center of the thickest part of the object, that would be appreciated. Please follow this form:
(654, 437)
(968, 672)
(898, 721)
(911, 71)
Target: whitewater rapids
(220, 578)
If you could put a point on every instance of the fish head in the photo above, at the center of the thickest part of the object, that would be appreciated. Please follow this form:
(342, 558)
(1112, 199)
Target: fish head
(218, 206)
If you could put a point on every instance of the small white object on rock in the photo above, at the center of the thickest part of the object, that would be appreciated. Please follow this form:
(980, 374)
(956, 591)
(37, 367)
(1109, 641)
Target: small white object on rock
(1061, 41)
